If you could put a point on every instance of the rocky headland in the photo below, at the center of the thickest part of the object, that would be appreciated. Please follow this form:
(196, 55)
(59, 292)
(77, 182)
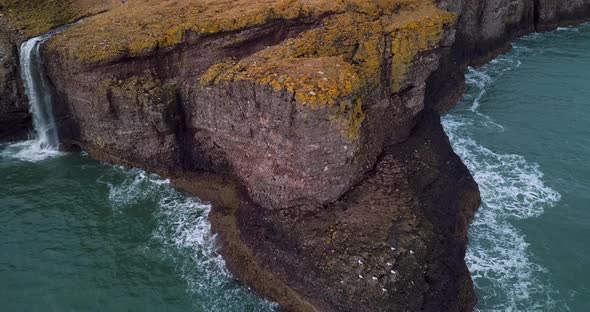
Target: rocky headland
(311, 125)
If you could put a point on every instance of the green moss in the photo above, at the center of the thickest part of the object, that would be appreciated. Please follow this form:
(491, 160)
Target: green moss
(35, 17)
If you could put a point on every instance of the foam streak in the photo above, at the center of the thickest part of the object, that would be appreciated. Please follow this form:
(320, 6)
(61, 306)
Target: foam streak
(504, 272)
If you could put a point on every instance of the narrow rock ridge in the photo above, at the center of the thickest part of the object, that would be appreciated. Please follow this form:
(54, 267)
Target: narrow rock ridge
(312, 125)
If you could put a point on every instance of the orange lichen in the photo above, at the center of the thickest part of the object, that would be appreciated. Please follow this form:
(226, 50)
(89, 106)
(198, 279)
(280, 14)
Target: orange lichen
(342, 59)
(140, 26)
(413, 38)
(349, 117)
(316, 82)
(355, 47)
(344, 56)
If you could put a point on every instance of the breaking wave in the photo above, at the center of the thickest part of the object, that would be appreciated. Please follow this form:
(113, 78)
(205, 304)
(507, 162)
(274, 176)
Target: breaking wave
(29, 151)
(183, 235)
(512, 189)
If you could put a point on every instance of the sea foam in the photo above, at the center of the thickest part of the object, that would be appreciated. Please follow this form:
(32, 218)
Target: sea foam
(512, 188)
(184, 237)
(29, 151)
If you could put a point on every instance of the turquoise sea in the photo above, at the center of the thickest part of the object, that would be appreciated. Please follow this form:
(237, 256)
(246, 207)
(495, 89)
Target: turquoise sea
(77, 235)
(523, 129)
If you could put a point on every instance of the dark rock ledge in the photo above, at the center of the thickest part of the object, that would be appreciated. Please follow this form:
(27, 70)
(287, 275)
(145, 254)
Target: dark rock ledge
(395, 242)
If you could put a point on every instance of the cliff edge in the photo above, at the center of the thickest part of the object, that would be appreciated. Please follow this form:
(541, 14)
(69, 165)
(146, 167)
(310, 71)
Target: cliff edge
(306, 105)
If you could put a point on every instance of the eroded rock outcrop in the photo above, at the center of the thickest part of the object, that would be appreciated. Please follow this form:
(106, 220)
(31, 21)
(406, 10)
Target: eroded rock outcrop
(486, 28)
(550, 14)
(297, 101)
(310, 93)
(395, 242)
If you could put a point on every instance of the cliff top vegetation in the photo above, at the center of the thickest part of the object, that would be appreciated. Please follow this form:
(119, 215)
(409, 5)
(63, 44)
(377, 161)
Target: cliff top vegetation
(351, 46)
(139, 26)
(35, 17)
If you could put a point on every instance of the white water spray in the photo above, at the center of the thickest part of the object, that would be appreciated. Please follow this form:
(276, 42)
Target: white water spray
(512, 188)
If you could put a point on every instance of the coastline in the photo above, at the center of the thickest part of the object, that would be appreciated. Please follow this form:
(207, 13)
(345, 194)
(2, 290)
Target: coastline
(247, 234)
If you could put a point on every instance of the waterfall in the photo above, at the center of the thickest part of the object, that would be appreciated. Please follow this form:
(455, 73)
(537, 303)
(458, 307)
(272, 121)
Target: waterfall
(39, 92)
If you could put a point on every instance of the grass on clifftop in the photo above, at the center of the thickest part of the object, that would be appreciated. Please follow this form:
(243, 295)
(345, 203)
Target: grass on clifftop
(140, 26)
(35, 17)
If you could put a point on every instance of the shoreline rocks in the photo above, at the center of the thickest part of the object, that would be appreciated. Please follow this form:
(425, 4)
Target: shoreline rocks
(486, 29)
(310, 129)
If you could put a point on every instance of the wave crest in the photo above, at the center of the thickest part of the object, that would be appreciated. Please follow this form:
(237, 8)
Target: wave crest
(512, 189)
(183, 235)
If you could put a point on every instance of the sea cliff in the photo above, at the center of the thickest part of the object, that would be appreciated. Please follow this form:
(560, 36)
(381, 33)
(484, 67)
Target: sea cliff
(313, 126)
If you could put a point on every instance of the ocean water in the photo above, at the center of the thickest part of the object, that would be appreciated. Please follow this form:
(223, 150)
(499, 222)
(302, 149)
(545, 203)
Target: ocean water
(523, 129)
(78, 235)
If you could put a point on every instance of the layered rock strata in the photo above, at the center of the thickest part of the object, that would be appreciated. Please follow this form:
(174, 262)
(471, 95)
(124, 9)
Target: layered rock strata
(394, 242)
(24, 19)
(310, 95)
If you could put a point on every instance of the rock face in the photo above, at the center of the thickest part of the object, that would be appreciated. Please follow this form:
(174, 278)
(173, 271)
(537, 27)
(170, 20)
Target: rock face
(18, 20)
(394, 242)
(297, 109)
(14, 115)
(485, 28)
(313, 112)
(340, 190)
(553, 13)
